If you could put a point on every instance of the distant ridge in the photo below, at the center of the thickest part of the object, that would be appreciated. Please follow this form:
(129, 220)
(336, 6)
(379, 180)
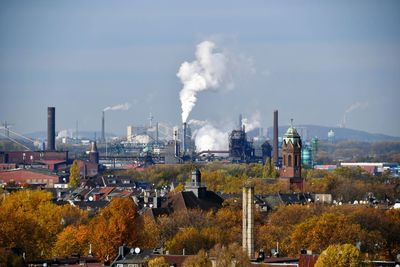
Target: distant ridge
(340, 133)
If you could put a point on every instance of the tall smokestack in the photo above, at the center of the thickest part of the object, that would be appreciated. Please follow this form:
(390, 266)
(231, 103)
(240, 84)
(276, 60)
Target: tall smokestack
(184, 137)
(275, 141)
(240, 121)
(103, 136)
(248, 221)
(51, 128)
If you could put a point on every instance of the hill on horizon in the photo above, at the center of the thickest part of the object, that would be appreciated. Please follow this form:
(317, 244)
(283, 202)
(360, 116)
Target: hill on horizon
(307, 131)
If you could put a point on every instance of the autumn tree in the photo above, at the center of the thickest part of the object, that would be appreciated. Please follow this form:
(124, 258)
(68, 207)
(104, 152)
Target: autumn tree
(280, 225)
(232, 255)
(158, 262)
(318, 232)
(345, 255)
(74, 175)
(72, 240)
(192, 240)
(117, 224)
(200, 259)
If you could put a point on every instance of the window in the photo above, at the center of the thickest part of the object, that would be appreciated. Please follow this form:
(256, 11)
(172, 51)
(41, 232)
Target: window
(295, 161)
(284, 160)
(290, 160)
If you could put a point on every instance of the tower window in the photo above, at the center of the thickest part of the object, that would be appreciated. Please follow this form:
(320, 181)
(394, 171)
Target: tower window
(295, 161)
(290, 160)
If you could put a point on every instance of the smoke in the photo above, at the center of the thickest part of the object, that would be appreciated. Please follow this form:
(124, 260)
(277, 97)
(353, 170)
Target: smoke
(253, 122)
(207, 71)
(124, 106)
(214, 136)
(354, 106)
(208, 137)
(357, 105)
(65, 133)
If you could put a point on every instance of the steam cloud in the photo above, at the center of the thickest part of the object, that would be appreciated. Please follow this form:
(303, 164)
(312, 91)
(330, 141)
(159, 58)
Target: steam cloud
(124, 106)
(253, 122)
(206, 72)
(210, 137)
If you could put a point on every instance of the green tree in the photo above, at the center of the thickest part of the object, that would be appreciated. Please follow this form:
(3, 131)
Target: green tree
(74, 175)
(267, 168)
(345, 255)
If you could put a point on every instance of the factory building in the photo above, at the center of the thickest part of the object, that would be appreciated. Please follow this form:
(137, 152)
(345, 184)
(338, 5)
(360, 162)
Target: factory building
(240, 149)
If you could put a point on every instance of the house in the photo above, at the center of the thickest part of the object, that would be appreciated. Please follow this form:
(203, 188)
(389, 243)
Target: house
(194, 196)
(29, 177)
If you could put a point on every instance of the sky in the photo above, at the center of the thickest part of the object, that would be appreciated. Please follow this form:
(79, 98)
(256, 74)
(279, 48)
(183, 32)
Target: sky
(311, 60)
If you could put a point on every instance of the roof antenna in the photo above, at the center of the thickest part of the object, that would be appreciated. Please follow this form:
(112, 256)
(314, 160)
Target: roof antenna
(291, 123)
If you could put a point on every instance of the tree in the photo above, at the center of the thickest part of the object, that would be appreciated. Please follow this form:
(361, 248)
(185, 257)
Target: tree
(29, 221)
(345, 255)
(200, 259)
(267, 168)
(233, 255)
(318, 232)
(74, 175)
(158, 262)
(72, 240)
(192, 240)
(116, 225)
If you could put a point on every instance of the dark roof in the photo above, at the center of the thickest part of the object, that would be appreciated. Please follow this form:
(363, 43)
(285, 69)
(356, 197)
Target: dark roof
(188, 200)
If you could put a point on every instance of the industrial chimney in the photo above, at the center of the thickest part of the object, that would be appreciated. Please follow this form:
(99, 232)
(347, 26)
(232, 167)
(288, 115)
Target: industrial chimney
(103, 136)
(51, 128)
(184, 139)
(275, 141)
(248, 221)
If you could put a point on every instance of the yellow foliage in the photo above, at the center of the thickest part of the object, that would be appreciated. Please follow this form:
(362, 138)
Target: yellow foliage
(339, 255)
(116, 225)
(72, 240)
(158, 262)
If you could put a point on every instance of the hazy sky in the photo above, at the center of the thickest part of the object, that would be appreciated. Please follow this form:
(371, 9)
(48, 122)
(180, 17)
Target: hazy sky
(312, 60)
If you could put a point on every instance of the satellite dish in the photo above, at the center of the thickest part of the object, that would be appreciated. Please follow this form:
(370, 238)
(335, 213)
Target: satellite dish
(137, 250)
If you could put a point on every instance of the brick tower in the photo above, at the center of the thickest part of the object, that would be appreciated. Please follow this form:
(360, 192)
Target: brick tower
(291, 158)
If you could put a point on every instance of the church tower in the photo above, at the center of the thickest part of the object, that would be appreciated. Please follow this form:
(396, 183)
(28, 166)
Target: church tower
(291, 158)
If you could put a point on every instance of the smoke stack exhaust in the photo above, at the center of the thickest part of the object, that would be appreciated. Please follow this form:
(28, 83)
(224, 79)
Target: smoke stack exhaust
(103, 136)
(51, 128)
(184, 138)
(275, 141)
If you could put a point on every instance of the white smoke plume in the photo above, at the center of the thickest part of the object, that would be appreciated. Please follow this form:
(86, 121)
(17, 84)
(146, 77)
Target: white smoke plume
(253, 122)
(207, 71)
(208, 137)
(357, 105)
(354, 106)
(124, 106)
(211, 137)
